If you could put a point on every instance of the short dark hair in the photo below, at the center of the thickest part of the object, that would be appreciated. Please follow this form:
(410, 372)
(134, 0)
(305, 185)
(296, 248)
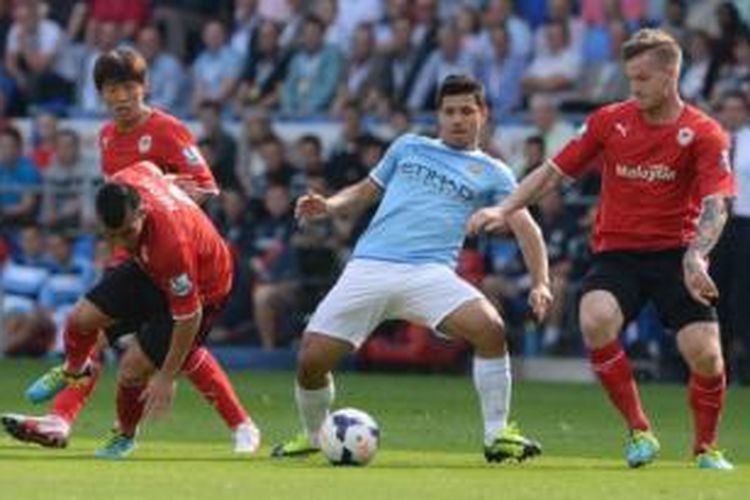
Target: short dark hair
(271, 139)
(367, 140)
(399, 108)
(535, 140)
(313, 140)
(664, 46)
(458, 85)
(120, 65)
(317, 21)
(114, 201)
(210, 105)
(13, 133)
(560, 23)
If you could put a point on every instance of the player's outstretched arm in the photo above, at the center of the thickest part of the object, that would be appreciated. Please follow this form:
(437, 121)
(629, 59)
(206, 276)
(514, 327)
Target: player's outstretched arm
(351, 201)
(192, 188)
(532, 188)
(711, 222)
(530, 239)
(160, 390)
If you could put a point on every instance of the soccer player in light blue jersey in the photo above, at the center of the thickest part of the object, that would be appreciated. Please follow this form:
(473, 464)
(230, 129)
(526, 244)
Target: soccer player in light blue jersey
(402, 267)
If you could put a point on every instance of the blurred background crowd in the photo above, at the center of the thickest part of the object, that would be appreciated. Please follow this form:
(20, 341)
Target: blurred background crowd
(291, 95)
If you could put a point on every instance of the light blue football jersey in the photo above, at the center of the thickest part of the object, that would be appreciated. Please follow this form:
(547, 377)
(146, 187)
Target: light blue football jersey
(430, 190)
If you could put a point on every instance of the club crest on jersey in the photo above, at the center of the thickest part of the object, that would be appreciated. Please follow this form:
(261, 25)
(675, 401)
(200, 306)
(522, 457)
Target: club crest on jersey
(685, 136)
(181, 285)
(192, 155)
(144, 143)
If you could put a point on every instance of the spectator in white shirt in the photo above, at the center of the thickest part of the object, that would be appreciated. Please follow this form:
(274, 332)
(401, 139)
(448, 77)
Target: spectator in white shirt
(33, 56)
(557, 70)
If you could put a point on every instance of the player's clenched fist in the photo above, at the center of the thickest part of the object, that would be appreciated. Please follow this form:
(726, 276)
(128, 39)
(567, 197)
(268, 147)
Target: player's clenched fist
(490, 220)
(540, 299)
(697, 280)
(311, 206)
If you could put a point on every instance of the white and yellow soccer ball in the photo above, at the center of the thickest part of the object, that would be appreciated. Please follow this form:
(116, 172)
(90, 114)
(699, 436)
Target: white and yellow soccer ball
(349, 437)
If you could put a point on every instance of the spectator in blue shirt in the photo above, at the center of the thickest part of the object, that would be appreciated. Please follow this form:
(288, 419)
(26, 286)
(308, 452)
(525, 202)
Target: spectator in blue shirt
(217, 69)
(70, 276)
(314, 73)
(447, 59)
(167, 82)
(24, 331)
(501, 71)
(20, 181)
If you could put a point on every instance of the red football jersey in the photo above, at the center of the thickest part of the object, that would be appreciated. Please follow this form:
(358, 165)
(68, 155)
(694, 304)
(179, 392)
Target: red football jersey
(179, 247)
(654, 177)
(161, 139)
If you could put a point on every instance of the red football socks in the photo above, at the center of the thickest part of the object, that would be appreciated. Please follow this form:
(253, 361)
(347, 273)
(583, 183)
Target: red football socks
(78, 346)
(611, 365)
(205, 373)
(706, 395)
(129, 408)
(71, 400)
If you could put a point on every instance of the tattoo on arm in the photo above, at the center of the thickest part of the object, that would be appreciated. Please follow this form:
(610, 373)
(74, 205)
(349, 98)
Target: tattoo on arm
(540, 182)
(710, 224)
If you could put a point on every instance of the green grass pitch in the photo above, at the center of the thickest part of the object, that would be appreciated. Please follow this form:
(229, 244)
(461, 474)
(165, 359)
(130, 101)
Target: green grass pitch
(430, 446)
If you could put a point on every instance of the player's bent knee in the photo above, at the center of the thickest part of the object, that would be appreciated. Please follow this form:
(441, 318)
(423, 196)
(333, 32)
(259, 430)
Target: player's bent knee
(131, 378)
(311, 366)
(87, 318)
(595, 319)
(700, 346)
(600, 322)
(317, 357)
(487, 337)
(135, 368)
(707, 362)
(494, 330)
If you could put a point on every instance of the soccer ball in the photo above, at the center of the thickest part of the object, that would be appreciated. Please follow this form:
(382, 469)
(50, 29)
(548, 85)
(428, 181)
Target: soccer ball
(349, 437)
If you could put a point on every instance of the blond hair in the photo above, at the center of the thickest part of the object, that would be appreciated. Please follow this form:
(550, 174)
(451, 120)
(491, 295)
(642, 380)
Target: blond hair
(660, 43)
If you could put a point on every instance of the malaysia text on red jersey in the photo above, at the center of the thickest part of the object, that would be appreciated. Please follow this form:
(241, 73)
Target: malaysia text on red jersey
(654, 177)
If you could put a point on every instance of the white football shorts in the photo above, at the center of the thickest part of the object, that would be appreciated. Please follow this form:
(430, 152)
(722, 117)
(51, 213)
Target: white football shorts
(369, 292)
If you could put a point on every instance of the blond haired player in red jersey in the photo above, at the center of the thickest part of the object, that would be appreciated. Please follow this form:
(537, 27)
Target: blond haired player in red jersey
(138, 132)
(665, 180)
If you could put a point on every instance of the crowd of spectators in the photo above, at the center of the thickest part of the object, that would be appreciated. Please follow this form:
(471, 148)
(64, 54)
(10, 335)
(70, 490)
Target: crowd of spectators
(239, 68)
(300, 58)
